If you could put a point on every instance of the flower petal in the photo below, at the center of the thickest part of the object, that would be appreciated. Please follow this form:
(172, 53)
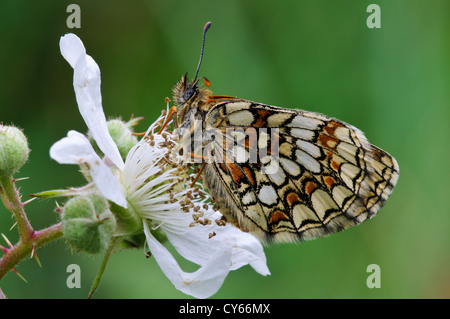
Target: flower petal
(86, 82)
(72, 149)
(195, 244)
(76, 149)
(71, 48)
(202, 283)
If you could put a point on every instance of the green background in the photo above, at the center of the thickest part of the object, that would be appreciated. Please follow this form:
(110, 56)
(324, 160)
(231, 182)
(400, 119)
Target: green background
(392, 83)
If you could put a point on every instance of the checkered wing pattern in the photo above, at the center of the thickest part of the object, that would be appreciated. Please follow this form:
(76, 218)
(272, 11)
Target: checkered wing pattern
(324, 176)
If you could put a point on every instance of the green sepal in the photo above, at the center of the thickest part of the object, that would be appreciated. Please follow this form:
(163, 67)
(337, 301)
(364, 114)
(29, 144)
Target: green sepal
(87, 223)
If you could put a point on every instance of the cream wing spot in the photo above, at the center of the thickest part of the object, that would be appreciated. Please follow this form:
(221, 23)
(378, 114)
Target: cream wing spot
(348, 173)
(378, 166)
(380, 189)
(309, 148)
(249, 198)
(290, 167)
(286, 149)
(342, 133)
(307, 161)
(390, 174)
(387, 160)
(241, 118)
(340, 193)
(268, 195)
(348, 152)
(301, 121)
(278, 119)
(278, 177)
(236, 107)
(303, 134)
(302, 212)
(259, 218)
(322, 202)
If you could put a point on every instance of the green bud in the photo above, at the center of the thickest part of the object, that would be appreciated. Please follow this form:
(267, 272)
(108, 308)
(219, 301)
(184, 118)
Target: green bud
(121, 134)
(87, 223)
(13, 150)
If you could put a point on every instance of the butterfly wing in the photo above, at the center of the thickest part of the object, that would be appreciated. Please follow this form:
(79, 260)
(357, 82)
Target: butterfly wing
(313, 175)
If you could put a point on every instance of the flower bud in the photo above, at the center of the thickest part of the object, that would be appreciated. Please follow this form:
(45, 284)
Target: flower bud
(13, 150)
(88, 224)
(122, 136)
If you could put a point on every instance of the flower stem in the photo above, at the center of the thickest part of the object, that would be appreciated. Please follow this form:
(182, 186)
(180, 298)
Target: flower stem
(11, 199)
(30, 240)
(108, 253)
(24, 247)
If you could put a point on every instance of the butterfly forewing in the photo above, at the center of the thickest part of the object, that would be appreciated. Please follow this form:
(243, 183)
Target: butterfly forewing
(324, 175)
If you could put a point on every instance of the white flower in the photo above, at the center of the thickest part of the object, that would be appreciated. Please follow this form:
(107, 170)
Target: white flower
(76, 148)
(153, 187)
(86, 82)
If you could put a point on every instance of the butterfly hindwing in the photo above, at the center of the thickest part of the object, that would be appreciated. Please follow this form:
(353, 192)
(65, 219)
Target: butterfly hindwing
(327, 176)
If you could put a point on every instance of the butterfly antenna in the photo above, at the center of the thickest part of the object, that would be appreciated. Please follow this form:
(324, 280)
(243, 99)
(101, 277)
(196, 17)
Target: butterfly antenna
(206, 27)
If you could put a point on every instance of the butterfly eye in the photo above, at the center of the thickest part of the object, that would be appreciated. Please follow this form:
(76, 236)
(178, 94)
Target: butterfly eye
(188, 94)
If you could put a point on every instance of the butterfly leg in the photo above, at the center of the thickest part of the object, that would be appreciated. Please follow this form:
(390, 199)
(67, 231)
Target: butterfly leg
(171, 115)
(198, 174)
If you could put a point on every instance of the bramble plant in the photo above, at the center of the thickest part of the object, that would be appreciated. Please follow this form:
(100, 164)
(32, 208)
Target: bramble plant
(137, 193)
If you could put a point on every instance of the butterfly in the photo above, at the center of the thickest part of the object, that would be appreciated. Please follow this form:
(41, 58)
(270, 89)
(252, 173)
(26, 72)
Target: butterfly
(282, 174)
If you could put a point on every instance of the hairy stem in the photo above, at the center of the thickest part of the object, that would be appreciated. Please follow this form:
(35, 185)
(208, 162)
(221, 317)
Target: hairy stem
(24, 248)
(30, 240)
(11, 199)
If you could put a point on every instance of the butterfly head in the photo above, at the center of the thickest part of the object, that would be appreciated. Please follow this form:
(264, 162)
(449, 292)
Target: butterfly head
(188, 96)
(185, 91)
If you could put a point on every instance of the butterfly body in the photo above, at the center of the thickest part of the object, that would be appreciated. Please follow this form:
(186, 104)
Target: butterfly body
(283, 174)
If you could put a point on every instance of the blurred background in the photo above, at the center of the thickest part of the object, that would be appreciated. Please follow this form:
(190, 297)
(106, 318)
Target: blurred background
(392, 83)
